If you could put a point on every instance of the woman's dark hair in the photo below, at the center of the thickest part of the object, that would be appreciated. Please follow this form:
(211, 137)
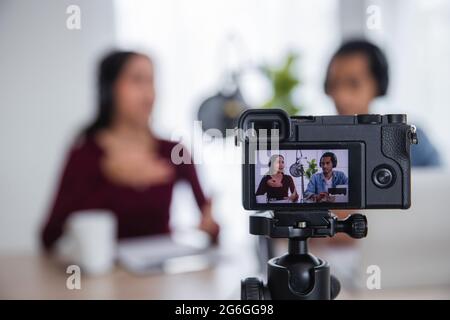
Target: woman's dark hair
(378, 64)
(109, 71)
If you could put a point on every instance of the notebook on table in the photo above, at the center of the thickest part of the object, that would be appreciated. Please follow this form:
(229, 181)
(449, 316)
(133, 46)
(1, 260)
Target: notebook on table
(163, 254)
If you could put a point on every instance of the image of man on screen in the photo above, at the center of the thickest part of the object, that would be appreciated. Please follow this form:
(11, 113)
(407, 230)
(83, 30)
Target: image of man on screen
(321, 182)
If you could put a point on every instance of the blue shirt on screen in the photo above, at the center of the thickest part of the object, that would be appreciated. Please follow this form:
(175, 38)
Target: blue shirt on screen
(317, 183)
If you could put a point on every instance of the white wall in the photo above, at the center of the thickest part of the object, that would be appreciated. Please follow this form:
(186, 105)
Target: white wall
(196, 42)
(47, 82)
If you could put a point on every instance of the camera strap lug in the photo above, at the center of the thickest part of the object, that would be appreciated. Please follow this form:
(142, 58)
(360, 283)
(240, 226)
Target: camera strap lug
(413, 135)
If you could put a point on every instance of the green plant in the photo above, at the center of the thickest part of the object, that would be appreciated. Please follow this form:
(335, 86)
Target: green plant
(312, 168)
(284, 81)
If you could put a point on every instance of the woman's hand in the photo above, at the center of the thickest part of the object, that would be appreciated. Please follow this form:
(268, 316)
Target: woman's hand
(137, 171)
(208, 224)
(134, 165)
(274, 183)
(294, 197)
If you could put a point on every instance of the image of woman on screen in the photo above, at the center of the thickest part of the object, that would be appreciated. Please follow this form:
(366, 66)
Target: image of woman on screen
(275, 184)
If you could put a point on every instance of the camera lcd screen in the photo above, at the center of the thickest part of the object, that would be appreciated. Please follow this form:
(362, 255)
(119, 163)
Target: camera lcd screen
(302, 177)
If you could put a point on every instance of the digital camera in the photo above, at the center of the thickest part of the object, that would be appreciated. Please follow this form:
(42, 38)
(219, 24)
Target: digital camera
(328, 162)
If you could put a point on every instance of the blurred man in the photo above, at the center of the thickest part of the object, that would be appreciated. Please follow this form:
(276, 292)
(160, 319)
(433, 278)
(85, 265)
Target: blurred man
(357, 74)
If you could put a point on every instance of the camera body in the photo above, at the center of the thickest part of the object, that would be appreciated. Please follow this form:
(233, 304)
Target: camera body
(325, 162)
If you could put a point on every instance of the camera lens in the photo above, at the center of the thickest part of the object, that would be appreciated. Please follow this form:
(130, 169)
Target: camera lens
(383, 177)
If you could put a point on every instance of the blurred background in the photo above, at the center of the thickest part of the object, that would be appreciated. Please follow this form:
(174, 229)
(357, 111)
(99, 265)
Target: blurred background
(48, 93)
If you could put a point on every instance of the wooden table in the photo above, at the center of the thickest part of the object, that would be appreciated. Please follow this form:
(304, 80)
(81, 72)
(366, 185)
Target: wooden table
(39, 277)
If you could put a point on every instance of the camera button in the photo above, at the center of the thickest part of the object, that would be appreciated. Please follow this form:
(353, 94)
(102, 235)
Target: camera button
(397, 118)
(383, 177)
(369, 118)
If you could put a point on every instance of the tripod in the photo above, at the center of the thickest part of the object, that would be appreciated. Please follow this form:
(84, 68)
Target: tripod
(299, 275)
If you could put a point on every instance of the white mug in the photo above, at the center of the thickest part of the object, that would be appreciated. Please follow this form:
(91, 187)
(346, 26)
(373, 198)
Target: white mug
(91, 240)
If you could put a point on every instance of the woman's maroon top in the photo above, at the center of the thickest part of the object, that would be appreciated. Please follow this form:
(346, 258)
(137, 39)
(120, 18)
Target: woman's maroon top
(138, 212)
(276, 193)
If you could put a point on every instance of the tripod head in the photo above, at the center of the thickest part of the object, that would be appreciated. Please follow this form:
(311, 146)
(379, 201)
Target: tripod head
(306, 224)
(298, 274)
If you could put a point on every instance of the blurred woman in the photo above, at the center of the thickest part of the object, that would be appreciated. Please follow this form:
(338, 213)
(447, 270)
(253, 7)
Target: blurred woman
(118, 164)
